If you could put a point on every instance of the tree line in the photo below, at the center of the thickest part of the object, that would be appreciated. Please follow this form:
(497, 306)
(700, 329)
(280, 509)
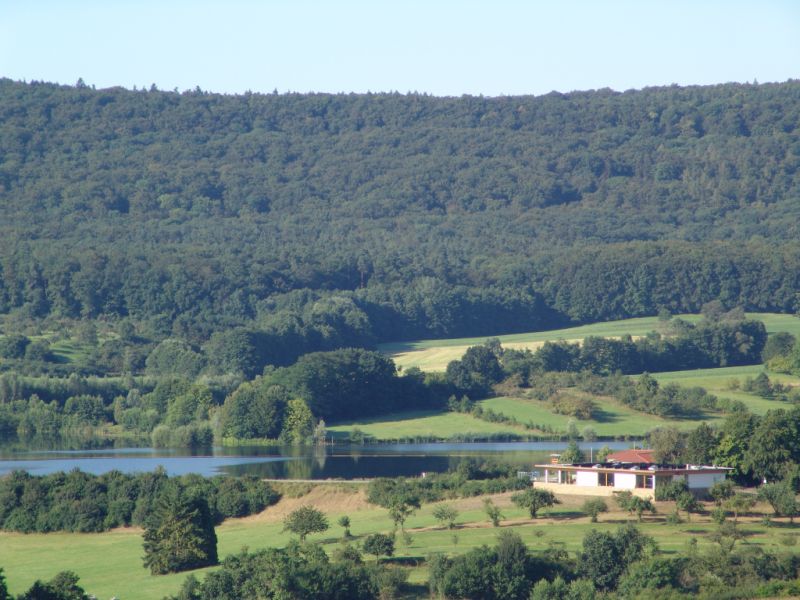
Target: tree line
(292, 403)
(81, 502)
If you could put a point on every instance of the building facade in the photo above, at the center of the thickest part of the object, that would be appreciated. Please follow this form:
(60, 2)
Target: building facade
(641, 479)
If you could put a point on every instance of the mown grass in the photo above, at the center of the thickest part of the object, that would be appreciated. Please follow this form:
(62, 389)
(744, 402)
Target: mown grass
(612, 418)
(425, 425)
(109, 564)
(719, 382)
(434, 355)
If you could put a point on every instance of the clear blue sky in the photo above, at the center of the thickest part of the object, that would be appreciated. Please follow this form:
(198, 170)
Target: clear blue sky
(441, 47)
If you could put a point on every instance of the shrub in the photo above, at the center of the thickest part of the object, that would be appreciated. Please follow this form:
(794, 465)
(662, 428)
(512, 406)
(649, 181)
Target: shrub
(593, 507)
(379, 544)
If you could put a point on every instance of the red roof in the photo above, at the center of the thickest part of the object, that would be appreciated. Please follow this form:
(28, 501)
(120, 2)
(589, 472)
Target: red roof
(631, 456)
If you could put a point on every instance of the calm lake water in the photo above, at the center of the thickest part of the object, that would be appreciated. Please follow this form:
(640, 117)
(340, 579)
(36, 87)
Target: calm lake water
(277, 462)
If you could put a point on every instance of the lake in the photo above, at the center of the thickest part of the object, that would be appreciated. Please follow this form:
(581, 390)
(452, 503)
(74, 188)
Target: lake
(282, 462)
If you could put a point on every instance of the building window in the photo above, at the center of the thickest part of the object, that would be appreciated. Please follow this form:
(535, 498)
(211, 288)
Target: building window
(567, 476)
(644, 481)
(605, 479)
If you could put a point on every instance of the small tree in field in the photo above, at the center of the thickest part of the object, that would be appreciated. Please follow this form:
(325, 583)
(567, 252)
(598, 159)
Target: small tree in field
(739, 503)
(686, 501)
(305, 520)
(379, 544)
(634, 504)
(722, 491)
(402, 507)
(781, 497)
(594, 507)
(534, 499)
(344, 522)
(446, 515)
(492, 511)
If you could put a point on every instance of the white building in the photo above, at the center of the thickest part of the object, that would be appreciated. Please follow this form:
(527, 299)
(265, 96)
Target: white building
(641, 479)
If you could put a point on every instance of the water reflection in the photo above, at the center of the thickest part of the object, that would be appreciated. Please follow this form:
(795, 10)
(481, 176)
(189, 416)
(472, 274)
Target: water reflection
(285, 462)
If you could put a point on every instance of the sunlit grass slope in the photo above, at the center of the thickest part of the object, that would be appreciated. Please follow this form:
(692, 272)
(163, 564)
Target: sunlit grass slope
(425, 424)
(612, 419)
(433, 355)
(719, 382)
(110, 564)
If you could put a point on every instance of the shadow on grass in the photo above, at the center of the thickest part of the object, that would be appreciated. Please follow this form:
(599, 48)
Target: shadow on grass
(412, 591)
(565, 515)
(779, 525)
(603, 416)
(403, 561)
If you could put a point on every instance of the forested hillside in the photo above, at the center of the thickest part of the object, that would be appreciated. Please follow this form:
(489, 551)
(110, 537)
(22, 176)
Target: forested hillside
(320, 221)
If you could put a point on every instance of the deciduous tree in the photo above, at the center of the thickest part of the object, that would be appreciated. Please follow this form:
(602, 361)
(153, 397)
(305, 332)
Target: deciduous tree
(534, 499)
(305, 520)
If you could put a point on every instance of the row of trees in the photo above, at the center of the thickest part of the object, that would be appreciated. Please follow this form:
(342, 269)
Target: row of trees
(64, 586)
(708, 344)
(623, 563)
(78, 501)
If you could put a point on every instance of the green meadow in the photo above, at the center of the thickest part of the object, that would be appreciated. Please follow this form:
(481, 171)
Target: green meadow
(612, 419)
(110, 564)
(720, 383)
(426, 425)
(434, 355)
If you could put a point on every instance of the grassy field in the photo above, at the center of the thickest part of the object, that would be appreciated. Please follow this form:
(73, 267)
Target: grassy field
(109, 564)
(718, 382)
(433, 355)
(426, 425)
(613, 419)
(67, 348)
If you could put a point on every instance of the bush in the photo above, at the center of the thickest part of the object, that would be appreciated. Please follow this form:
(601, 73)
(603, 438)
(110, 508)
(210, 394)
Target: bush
(297, 571)
(160, 437)
(593, 507)
(671, 490)
(572, 405)
(379, 544)
(446, 514)
(606, 556)
(13, 346)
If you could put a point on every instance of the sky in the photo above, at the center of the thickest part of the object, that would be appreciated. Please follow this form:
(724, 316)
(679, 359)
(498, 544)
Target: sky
(444, 47)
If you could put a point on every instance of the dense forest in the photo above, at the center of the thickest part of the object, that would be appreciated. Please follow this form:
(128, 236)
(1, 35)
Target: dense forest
(317, 221)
